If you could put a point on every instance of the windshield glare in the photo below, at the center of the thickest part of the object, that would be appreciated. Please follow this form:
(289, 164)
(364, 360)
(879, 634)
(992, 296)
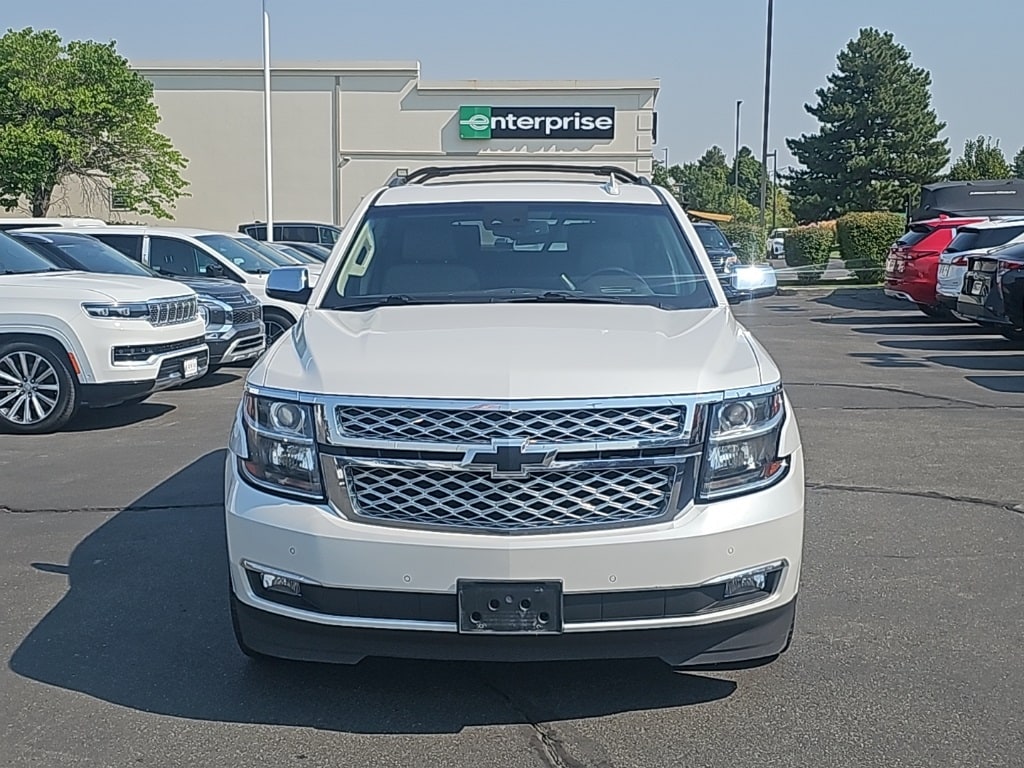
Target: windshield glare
(238, 253)
(17, 259)
(268, 252)
(489, 252)
(90, 255)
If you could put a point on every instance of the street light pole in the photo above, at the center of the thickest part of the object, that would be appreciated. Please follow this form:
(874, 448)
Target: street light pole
(736, 155)
(665, 150)
(268, 154)
(767, 102)
(774, 155)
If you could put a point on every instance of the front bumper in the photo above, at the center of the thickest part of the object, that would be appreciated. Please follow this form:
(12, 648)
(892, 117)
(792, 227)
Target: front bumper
(170, 373)
(628, 592)
(246, 344)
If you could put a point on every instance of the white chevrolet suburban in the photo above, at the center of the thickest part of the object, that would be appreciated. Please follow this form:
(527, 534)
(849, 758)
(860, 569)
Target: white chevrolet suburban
(516, 420)
(70, 339)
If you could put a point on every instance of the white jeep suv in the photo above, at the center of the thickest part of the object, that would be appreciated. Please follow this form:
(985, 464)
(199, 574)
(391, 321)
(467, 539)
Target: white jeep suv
(71, 339)
(517, 420)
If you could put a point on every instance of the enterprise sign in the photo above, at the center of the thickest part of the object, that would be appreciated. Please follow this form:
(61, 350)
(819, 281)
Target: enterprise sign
(536, 122)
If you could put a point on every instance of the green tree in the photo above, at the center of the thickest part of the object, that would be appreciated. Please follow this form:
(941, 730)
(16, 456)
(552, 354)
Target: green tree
(78, 112)
(878, 139)
(1018, 164)
(982, 159)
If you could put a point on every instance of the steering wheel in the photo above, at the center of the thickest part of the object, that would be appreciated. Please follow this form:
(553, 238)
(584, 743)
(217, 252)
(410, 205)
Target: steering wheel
(641, 285)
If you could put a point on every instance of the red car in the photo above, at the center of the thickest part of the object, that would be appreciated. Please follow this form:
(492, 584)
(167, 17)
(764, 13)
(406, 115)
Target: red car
(911, 271)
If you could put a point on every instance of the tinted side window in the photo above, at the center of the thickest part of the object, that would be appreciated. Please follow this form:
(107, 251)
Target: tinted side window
(296, 234)
(328, 236)
(178, 257)
(129, 245)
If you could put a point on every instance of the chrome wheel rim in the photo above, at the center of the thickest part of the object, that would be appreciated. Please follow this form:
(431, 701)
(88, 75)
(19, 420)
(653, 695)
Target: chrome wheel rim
(273, 329)
(29, 388)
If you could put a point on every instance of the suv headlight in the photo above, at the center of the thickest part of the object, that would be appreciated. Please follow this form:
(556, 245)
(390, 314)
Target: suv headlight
(730, 263)
(742, 448)
(212, 312)
(276, 446)
(115, 311)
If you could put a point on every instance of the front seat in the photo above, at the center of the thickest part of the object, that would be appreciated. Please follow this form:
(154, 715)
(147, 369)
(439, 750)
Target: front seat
(428, 262)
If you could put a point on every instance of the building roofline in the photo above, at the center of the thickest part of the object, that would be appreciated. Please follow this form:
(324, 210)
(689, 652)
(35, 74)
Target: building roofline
(412, 68)
(319, 67)
(653, 84)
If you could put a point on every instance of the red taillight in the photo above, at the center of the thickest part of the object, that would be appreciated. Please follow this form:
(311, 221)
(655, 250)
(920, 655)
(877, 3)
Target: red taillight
(959, 261)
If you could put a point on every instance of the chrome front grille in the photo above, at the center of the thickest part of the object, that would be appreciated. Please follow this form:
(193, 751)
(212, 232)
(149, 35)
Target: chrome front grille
(176, 311)
(247, 316)
(484, 424)
(545, 501)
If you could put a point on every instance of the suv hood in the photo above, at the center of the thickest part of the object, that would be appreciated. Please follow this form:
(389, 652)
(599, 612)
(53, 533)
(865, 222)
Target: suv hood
(507, 351)
(90, 286)
(210, 286)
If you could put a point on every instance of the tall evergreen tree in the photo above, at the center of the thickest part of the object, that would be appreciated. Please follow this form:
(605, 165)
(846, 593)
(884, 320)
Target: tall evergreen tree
(879, 136)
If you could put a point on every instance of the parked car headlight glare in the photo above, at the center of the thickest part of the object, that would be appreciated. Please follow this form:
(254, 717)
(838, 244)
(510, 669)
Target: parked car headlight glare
(742, 449)
(280, 453)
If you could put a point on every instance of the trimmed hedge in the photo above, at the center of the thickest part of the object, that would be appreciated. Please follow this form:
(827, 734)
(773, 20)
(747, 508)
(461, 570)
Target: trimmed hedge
(810, 248)
(748, 240)
(865, 240)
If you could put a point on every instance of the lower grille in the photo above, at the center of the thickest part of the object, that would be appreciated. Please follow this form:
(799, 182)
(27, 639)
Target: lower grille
(142, 352)
(548, 499)
(247, 316)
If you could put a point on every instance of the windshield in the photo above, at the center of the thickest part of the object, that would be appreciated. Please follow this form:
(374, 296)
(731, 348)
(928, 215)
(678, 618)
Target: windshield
(299, 256)
(913, 237)
(88, 255)
(979, 239)
(505, 251)
(268, 251)
(235, 251)
(712, 237)
(16, 259)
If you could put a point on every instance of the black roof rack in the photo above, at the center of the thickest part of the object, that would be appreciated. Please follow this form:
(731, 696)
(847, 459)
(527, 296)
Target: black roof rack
(421, 175)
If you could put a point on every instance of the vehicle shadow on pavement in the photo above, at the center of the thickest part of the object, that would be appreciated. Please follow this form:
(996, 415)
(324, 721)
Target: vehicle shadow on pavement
(145, 625)
(93, 419)
(213, 379)
(863, 298)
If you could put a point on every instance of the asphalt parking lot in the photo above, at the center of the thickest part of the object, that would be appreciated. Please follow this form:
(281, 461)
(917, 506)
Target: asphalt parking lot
(908, 651)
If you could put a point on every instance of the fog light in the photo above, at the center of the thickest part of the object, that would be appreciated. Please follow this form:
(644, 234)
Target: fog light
(286, 586)
(745, 584)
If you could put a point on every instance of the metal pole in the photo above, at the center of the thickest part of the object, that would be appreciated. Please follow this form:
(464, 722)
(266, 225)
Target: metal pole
(767, 102)
(267, 123)
(665, 150)
(775, 187)
(736, 155)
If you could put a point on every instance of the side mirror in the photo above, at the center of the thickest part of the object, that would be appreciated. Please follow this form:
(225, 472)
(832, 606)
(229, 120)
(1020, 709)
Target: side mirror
(215, 270)
(289, 284)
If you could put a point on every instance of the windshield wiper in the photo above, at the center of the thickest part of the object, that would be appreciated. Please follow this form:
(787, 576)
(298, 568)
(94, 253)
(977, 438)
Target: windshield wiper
(394, 300)
(555, 297)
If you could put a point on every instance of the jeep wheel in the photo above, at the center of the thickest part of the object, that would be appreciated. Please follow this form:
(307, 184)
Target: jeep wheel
(38, 390)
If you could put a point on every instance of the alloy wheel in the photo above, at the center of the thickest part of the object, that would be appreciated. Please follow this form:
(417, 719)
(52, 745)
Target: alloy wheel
(29, 388)
(273, 328)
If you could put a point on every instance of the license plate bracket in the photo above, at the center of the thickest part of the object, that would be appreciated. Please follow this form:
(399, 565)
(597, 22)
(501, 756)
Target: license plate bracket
(191, 367)
(510, 607)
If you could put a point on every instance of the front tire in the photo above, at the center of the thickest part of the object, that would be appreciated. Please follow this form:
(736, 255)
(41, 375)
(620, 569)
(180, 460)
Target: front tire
(275, 324)
(38, 389)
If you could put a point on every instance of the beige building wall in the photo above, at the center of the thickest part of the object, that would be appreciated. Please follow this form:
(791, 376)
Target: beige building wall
(340, 131)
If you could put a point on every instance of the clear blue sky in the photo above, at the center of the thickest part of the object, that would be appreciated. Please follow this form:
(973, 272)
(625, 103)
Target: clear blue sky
(708, 53)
